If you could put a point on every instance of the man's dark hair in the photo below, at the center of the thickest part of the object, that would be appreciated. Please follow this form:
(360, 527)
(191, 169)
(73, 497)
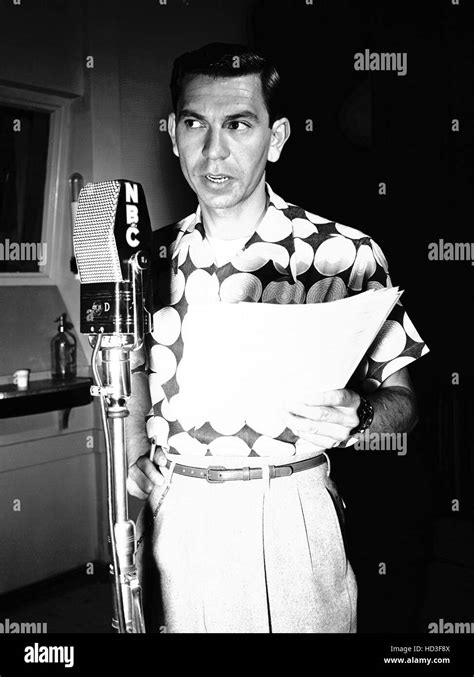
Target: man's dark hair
(221, 60)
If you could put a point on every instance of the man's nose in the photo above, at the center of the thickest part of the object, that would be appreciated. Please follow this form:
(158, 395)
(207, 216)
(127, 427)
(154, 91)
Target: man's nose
(215, 146)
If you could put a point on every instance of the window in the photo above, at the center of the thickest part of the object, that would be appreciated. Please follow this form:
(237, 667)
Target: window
(24, 139)
(34, 199)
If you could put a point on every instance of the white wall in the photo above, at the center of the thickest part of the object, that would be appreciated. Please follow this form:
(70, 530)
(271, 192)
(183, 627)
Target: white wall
(50, 497)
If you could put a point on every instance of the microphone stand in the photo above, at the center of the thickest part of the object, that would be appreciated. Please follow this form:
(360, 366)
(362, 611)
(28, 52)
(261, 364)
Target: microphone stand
(113, 390)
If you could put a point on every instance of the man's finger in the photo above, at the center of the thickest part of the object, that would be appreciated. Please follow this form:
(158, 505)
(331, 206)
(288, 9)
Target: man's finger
(134, 490)
(328, 415)
(149, 469)
(333, 430)
(319, 440)
(140, 479)
(343, 397)
(160, 458)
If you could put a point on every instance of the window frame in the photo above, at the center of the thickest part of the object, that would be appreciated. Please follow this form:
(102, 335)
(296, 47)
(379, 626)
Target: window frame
(56, 210)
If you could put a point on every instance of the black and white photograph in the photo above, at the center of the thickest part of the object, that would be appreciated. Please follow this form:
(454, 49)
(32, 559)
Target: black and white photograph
(236, 289)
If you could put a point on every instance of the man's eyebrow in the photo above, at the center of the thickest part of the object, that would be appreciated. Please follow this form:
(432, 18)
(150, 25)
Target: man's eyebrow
(243, 114)
(189, 113)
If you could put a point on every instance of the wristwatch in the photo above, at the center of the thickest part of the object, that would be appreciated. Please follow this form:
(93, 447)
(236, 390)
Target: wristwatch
(365, 412)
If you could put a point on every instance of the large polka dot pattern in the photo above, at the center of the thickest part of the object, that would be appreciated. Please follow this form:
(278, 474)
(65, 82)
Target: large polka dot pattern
(283, 292)
(294, 256)
(166, 326)
(329, 289)
(241, 287)
(334, 255)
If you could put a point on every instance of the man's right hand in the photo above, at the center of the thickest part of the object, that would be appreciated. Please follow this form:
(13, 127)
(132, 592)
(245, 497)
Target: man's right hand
(144, 475)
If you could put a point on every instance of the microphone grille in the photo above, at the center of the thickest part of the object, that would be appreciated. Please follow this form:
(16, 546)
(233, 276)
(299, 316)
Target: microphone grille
(94, 242)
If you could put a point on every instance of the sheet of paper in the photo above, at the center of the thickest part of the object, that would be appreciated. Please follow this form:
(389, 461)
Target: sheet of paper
(242, 362)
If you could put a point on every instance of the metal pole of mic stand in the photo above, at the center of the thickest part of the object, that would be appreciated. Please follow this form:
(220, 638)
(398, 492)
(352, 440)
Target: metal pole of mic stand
(116, 388)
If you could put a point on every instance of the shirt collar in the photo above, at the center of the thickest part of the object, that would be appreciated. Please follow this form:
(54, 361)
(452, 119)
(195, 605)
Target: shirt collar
(194, 222)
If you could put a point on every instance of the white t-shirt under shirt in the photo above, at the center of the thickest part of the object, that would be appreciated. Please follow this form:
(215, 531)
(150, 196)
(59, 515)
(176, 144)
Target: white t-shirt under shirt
(225, 250)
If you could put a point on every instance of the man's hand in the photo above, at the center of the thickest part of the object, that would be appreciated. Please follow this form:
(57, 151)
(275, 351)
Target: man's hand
(144, 475)
(325, 419)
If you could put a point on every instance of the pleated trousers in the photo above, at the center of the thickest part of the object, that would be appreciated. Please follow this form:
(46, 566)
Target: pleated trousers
(254, 556)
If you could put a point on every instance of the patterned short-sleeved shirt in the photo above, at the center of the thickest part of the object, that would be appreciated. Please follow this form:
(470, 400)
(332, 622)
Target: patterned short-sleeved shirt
(292, 257)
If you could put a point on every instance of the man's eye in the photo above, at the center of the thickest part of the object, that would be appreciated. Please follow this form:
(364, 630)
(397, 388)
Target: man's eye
(192, 124)
(234, 124)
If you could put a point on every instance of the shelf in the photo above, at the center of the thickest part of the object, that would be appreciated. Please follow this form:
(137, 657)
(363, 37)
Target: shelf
(45, 395)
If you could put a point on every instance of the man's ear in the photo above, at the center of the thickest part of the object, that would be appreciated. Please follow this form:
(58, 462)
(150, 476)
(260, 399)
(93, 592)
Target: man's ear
(280, 133)
(172, 132)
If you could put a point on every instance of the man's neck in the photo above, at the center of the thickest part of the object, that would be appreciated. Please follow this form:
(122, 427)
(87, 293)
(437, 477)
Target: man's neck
(239, 222)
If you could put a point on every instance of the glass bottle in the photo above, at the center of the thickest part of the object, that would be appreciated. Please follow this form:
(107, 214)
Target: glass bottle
(63, 351)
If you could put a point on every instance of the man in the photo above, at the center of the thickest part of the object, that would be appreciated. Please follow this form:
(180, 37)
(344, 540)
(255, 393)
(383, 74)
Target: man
(244, 524)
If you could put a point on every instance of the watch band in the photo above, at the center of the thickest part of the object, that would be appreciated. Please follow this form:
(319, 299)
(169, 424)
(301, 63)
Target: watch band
(365, 412)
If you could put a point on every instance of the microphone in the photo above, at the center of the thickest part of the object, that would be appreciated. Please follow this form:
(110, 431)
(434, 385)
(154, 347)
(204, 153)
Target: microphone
(112, 244)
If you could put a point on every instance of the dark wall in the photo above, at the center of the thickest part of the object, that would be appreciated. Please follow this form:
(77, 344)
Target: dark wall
(372, 127)
(150, 37)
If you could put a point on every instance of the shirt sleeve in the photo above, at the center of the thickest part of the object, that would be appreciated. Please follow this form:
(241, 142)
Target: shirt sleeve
(398, 343)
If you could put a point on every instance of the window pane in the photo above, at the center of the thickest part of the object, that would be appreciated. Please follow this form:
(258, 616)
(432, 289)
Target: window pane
(23, 157)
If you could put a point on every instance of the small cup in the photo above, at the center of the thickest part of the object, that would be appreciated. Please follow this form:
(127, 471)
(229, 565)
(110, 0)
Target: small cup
(21, 378)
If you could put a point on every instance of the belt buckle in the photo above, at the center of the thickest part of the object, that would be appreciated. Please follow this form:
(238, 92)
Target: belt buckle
(214, 468)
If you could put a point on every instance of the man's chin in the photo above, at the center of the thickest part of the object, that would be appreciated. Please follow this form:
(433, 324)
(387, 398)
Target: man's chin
(217, 202)
(217, 199)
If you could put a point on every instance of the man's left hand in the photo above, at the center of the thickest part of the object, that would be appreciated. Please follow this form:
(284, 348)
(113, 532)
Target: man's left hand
(326, 418)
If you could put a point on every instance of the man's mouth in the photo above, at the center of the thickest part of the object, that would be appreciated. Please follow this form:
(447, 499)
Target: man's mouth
(217, 178)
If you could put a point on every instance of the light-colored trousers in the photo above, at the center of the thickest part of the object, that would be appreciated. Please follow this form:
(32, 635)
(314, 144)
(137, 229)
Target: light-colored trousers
(252, 556)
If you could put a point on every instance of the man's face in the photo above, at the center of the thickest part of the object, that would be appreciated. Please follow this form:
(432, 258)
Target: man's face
(222, 138)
